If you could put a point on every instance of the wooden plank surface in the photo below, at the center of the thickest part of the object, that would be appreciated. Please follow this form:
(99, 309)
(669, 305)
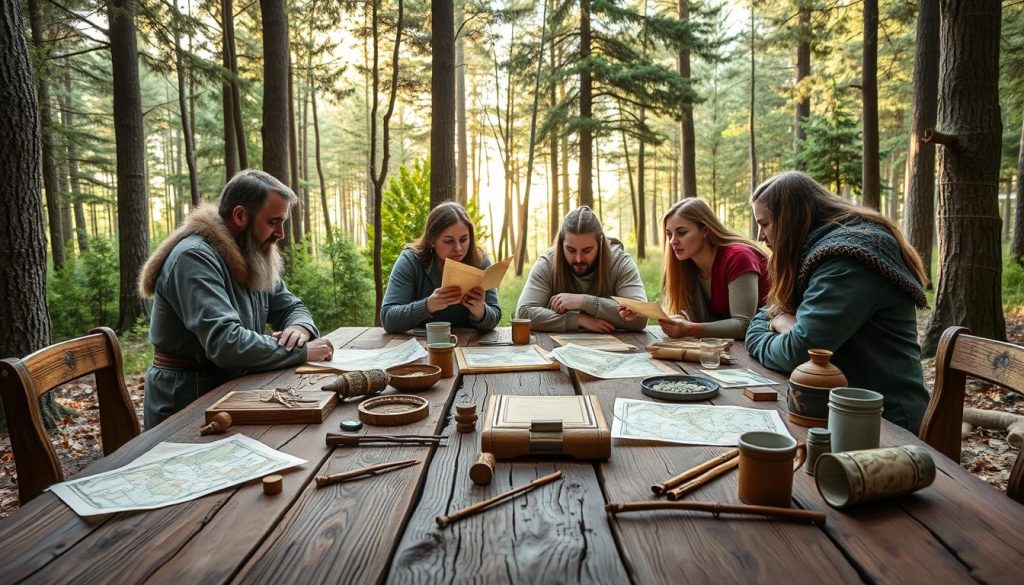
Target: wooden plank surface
(345, 533)
(690, 547)
(131, 547)
(555, 533)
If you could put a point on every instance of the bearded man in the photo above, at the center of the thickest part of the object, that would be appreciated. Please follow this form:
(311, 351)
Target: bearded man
(216, 284)
(570, 285)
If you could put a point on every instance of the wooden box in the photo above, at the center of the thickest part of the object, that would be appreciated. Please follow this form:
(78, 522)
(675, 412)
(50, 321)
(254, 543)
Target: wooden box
(246, 408)
(519, 426)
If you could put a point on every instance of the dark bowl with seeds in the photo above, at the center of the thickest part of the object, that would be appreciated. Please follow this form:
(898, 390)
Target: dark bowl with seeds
(679, 388)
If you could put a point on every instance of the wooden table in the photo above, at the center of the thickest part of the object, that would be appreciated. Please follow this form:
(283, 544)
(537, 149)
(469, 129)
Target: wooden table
(381, 529)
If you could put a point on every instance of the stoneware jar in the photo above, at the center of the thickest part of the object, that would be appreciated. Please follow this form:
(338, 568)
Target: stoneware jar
(809, 386)
(855, 419)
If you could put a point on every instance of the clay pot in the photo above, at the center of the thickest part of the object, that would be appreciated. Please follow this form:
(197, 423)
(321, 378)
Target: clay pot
(809, 386)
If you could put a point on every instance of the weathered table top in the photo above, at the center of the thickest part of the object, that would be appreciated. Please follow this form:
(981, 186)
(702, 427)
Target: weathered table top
(382, 528)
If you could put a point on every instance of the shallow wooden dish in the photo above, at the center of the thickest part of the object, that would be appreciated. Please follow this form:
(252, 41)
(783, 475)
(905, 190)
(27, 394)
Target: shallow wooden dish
(413, 376)
(393, 409)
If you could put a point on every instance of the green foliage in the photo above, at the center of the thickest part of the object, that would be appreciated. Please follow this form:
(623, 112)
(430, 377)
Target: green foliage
(832, 151)
(84, 294)
(1013, 285)
(339, 292)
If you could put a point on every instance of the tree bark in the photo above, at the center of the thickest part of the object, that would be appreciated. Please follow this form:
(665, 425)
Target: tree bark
(186, 118)
(1017, 247)
(22, 235)
(442, 102)
(319, 166)
(462, 162)
(803, 70)
(227, 99)
(45, 122)
(228, 16)
(969, 292)
(586, 178)
(129, 133)
(919, 209)
(687, 140)
(276, 120)
(871, 186)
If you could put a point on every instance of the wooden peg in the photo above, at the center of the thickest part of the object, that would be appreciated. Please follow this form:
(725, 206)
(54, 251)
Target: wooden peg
(220, 423)
(273, 484)
(482, 470)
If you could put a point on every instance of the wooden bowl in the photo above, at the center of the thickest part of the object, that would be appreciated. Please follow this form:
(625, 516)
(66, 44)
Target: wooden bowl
(393, 409)
(413, 376)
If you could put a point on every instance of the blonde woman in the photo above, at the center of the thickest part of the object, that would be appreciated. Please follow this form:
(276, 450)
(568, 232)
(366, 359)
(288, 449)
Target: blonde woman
(843, 279)
(714, 280)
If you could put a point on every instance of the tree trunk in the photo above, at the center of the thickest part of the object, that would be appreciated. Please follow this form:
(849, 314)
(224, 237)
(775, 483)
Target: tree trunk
(276, 121)
(307, 217)
(523, 229)
(1017, 247)
(296, 217)
(442, 102)
(462, 163)
(687, 141)
(49, 169)
(129, 133)
(22, 235)
(376, 176)
(319, 166)
(871, 187)
(586, 179)
(554, 215)
(227, 100)
(919, 209)
(629, 178)
(641, 215)
(969, 292)
(803, 70)
(67, 117)
(228, 17)
(753, 144)
(186, 119)
(1006, 209)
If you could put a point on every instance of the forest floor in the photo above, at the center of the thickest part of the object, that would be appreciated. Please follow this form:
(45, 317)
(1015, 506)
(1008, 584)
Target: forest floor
(985, 453)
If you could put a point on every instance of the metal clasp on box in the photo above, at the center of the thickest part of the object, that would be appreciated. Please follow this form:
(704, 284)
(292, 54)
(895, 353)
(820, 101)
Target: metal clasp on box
(546, 436)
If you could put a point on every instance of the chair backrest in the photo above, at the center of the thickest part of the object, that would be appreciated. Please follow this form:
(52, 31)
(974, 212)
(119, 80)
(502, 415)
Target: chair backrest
(960, 355)
(24, 381)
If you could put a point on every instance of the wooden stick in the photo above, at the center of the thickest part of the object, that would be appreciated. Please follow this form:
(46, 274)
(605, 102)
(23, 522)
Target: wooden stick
(700, 480)
(716, 508)
(661, 488)
(468, 511)
(338, 440)
(325, 480)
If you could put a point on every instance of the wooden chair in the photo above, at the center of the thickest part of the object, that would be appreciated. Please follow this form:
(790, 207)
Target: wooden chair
(960, 355)
(23, 381)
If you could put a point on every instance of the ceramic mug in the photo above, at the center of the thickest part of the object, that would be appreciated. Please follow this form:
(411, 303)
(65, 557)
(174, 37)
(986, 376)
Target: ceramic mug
(767, 463)
(442, 355)
(440, 332)
(520, 331)
(845, 479)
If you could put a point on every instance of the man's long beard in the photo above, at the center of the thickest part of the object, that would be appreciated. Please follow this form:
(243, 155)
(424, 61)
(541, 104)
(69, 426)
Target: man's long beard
(264, 261)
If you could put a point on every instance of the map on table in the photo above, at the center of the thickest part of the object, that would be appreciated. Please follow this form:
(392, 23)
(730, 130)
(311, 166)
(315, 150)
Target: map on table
(351, 360)
(172, 473)
(691, 424)
(606, 364)
(600, 341)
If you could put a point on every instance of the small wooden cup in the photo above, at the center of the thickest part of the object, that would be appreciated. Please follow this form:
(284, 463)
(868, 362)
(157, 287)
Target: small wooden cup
(520, 331)
(442, 355)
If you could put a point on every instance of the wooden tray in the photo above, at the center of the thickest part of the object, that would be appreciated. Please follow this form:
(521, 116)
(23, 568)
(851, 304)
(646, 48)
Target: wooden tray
(538, 358)
(393, 409)
(245, 408)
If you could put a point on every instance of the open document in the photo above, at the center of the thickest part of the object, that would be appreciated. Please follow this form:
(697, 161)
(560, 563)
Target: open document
(643, 308)
(467, 277)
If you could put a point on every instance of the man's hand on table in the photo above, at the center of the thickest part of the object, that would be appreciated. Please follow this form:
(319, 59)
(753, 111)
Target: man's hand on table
(594, 324)
(319, 350)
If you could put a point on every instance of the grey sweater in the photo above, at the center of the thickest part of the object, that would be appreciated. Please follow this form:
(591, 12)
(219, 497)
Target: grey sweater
(625, 281)
(405, 302)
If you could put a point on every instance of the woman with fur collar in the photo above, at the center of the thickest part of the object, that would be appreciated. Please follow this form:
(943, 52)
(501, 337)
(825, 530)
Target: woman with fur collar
(843, 279)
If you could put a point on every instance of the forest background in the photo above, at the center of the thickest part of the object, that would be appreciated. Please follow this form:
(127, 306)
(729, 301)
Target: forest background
(521, 111)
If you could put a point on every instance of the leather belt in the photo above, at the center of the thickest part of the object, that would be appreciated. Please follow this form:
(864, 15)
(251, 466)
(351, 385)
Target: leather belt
(182, 363)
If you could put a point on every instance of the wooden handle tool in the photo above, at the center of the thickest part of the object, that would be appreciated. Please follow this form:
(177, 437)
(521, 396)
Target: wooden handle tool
(716, 508)
(443, 521)
(325, 480)
(660, 488)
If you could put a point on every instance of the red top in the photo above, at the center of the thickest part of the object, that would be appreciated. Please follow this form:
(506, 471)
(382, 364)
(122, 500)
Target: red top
(730, 262)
